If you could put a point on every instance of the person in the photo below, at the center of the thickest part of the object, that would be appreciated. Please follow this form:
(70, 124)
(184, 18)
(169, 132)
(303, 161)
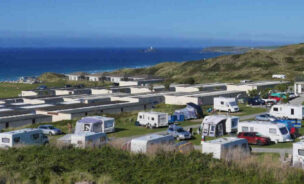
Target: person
(293, 133)
(203, 138)
(190, 131)
(69, 127)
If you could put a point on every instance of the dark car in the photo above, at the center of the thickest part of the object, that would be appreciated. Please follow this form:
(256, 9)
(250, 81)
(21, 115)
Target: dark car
(42, 87)
(256, 101)
(254, 138)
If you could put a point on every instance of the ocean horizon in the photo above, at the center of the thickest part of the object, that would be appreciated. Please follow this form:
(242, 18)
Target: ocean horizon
(18, 62)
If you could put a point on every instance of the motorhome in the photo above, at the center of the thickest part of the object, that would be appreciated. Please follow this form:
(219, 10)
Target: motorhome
(298, 154)
(277, 132)
(149, 143)
(152, 119)
(219, 125)
(22, 137)
(89, 140)
(225, 104)
(95, 124)
(225, 148)
(287, 111)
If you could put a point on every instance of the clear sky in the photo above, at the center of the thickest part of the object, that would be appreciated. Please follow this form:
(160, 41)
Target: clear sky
(150, 22)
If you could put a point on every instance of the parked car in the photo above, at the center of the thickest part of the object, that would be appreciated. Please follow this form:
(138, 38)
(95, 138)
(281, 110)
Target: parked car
(265, 117)
(270, 102)
(42, 87)
(292, 95)
(254, 138)
(256, 101)
(67, 86)
(79, 86)
(49, 130)
(178, 132)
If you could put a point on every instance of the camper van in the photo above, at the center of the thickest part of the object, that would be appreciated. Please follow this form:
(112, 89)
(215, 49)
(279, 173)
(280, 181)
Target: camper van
(219, 125)
(145, 144)
(277, 132)
(89, 140)
(224, 148)
(287, 111)
(21, 137)
(225, 104)
(152, 119)
(95, 124)
(298, 154)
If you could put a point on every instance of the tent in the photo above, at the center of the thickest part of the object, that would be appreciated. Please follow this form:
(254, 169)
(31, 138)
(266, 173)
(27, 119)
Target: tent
(191, 111)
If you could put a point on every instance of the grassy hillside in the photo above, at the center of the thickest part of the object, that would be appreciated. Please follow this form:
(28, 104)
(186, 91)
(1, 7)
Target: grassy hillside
(254, 64)
(48, 164)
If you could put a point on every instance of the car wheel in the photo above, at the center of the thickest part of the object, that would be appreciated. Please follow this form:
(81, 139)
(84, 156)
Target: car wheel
(259, 143)
(50, 133)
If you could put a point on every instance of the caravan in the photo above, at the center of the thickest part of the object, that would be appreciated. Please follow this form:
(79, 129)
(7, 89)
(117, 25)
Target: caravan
(218, 125)
(225, 148)
(287, 111)
(225, 104)
(26, 136)
(95, 124)
(146, 143)
(277, 132)
(298, 154)
(89, 140)
(152, 119)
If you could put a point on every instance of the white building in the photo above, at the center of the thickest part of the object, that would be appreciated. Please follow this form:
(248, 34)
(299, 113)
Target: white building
(96, 77)
(260, 85)
(76, 76)
(199, 87)
(298, 88)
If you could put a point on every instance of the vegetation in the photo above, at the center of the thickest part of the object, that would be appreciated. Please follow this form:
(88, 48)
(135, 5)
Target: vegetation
(258, 64)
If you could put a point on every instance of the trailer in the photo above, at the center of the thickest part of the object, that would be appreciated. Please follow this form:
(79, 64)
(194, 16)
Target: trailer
(219, 125)
(277, 132)
(150, 143)
(95, 124)
(225, 104)
(298, 154)
(89, 140)
(226, 148)
(287, 111)
(22, 137)
(152, 119)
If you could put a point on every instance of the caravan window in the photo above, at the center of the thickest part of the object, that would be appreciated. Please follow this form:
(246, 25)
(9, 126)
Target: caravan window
(140, 117)
(152, 119)
(35, 136)
(212, 128)
(301, 152)
(86, 127)
(234, 122)
(292, 112)
(5, 140)
(244, 129)
(17, 139)
(222, 103)
(275, 109)
(109, 124)
(283, 130)
(272, 130)
(232, 103)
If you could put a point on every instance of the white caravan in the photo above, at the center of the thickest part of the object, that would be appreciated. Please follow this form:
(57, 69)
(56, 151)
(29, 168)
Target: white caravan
(145, 144)
(287, 111)
(22, 137)
(89, 140)
(225, 104)
(152, 119)
(298, 154)
(277, 132)
(219, 125)
(225, 148)
(95, 124)
(278, 76)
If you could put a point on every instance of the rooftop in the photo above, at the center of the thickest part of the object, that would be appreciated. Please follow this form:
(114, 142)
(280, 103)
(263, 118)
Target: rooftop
(225, 140)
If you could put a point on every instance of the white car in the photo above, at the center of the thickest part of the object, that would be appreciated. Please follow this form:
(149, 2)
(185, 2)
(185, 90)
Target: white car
(49, 130)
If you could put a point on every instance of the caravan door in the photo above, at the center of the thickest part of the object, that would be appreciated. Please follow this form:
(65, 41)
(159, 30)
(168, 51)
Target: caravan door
(209, 130)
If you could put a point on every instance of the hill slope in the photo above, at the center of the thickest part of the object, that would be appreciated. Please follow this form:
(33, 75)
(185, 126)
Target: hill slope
(254, 64)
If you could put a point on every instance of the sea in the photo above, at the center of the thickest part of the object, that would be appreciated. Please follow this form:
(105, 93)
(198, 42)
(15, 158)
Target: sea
(18, 62)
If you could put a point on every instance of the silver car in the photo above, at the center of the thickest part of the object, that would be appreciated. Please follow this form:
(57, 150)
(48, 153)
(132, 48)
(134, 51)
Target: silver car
(49, 130)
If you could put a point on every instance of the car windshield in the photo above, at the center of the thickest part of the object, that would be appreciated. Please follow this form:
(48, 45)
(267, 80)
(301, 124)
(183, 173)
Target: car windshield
(51, 127)
(232, 104)
(180, 130)
(283, 130)
(258, 135)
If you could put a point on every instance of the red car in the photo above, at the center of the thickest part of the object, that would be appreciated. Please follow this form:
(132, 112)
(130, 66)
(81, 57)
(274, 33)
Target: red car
(254, 138)
(275, 98)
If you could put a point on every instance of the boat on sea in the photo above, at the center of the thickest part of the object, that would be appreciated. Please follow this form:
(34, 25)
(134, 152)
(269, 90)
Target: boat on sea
(150, 49)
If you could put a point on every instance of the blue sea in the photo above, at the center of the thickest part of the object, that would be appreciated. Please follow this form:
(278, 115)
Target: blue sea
(15, 63)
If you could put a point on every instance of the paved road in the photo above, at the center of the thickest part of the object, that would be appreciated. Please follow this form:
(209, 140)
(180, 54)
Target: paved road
(297, 101)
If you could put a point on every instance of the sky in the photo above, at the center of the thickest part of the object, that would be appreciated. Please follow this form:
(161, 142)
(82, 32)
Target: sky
(141, 23)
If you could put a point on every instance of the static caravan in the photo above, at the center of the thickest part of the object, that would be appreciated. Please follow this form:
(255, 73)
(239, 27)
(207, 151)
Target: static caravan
(287, 111)
(298, 154)
(278, 76)
(89, 139)
(146, 144)
(95, 124)
(152, 119)
(218, 125)
(277, 132)
(225, 104)
(225, 148)
(21, 137)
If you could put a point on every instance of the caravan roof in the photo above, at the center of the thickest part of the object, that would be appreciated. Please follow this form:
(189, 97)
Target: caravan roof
(151, 137)
(263, 123)
(21, 131)
(152, 112)
(94, 119)
(225, 140)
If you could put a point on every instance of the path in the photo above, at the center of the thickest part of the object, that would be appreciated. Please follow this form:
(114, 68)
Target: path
(297, 101)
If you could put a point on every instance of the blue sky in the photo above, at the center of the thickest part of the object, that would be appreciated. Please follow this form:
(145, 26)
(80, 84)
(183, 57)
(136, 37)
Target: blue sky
(131, 23)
